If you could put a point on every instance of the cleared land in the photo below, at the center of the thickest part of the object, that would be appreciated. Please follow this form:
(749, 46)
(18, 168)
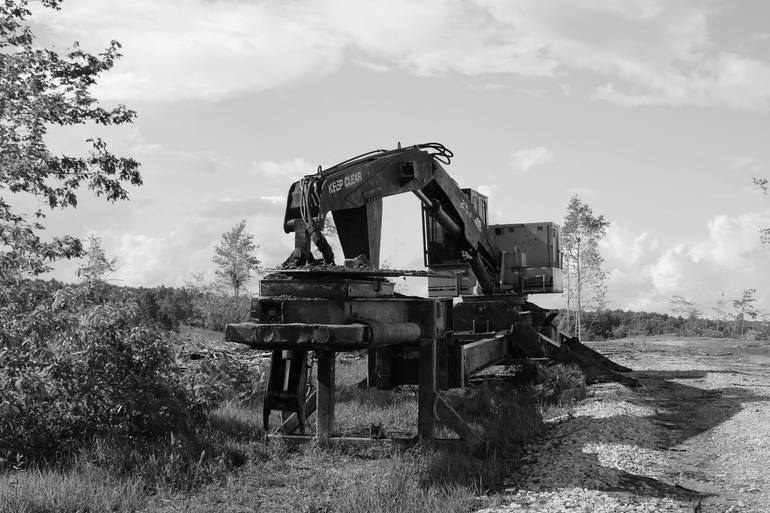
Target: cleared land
(694, 437)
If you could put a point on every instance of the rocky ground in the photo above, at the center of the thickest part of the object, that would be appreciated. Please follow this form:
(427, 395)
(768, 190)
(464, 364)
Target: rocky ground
(695, 436)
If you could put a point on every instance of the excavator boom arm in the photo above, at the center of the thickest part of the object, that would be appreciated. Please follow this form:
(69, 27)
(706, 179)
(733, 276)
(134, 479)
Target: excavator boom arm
(353, 190)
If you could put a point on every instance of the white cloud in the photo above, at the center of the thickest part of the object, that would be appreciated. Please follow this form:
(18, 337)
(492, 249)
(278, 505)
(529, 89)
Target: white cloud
(293, 169)
(373, 66)
(667, 273)
(724, 79)
(639, 52)
(170, 259)
(621, 245)
(238, 208)
(582, 191)
(644, 273)
(179, 49)
(436, 36)
(742, 164)
(275, 200)
(139, 259)
(525, 159)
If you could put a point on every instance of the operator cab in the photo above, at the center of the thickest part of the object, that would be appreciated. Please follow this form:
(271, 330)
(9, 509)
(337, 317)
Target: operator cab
(530, 259)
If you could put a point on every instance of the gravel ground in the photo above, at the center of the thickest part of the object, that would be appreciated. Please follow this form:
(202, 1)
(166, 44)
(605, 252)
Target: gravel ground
(693, 437)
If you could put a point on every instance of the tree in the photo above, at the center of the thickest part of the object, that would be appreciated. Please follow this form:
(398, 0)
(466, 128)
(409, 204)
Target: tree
(686, 310)
(40, 87)
(95, 264)
(744, 307)
(235, 257)
(720, 311)
(684, 307)
(581, 234)
(764, 232)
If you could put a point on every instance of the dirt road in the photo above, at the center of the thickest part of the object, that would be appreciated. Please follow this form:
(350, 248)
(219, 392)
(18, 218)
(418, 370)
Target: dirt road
(694, 437)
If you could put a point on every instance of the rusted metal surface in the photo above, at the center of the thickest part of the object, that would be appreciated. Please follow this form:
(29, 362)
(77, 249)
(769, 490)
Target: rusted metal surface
(549, 340)
(426, 391)
(449, 417)
(291, 423)
(286, 386)
(344, 337)
(351, 272)
(272, 286)
(482, 353)
(325, 400)
(296, 335)
(385, 334)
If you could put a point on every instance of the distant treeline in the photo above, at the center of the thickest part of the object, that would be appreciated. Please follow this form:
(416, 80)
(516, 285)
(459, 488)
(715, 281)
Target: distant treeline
(167, 307)
(207, 306)
(609, 324)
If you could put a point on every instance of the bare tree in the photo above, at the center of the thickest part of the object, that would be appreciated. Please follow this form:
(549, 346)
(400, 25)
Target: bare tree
(581, 234)
(235, 258)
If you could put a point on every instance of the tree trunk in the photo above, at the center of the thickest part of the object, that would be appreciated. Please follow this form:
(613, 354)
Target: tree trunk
(568, 326)
(579, 291)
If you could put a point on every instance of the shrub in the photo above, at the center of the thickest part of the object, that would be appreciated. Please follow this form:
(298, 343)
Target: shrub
(165, 306)
(211, 306)
(557, 384)
(72, 368)
(219, 377)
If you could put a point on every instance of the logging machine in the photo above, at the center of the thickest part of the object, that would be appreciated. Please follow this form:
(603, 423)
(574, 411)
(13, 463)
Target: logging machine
(477, 313)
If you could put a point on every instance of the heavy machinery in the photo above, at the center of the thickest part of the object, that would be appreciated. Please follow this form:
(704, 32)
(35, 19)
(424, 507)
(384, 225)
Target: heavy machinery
(477, 313)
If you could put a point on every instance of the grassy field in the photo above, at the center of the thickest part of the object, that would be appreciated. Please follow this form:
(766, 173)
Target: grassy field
(225, 463)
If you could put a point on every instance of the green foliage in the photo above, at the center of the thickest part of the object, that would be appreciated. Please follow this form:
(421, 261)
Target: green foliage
(38, 88)
(167, 307)
(238, 421)
(213, 308)
(96, 265)
(235, 258)
(72, 368)
(181, 461)
(609, 324)
(585, 280)
(745, 308)
(395, 488)
(764, 232)
(504, 416)
(557, 384)
(684, 307)
(86, 488)
(219, 377)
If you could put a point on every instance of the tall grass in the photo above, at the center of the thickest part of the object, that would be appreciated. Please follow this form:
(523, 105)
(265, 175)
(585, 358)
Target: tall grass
(398, 487)
(224, 461)
(87, 489)
(234, 420)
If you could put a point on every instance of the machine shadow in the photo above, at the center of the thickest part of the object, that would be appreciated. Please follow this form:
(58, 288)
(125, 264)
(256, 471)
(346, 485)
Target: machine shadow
(680, 411)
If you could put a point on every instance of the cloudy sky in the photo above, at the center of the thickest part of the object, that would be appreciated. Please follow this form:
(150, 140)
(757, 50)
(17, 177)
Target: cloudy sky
(655, 112)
